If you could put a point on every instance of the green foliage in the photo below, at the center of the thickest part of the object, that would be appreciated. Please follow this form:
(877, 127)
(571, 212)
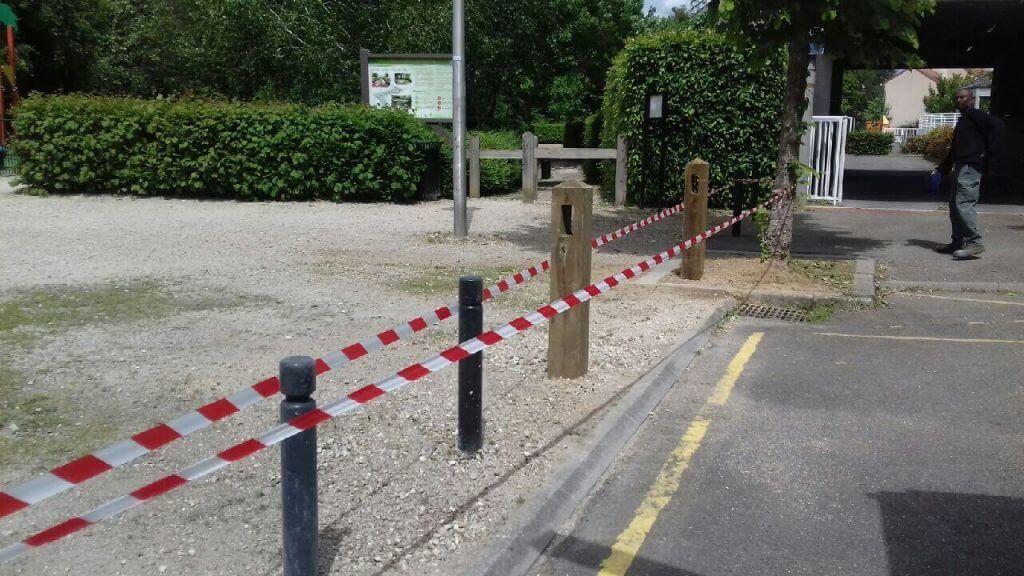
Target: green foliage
(937, 143)
(592, 128)
(942, 97)
(761, 220)
(864, 143)
(873, 33)
(719, 109)
(499, 176)
(203, 149)
(526, 58)
(574, 132)
(548, 132)
(572, 96)
(914, 145)
(864, 94)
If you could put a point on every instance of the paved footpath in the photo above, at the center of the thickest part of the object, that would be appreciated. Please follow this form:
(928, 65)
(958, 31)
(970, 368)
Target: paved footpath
(883, 442)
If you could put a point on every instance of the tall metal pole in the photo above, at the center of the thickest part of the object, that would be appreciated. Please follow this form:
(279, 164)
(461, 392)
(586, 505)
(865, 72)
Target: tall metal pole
(459, 118)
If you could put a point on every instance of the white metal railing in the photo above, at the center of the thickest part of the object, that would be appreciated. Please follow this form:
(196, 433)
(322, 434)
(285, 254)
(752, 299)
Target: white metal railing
(902, 134)
(930, 121)
(827, 145)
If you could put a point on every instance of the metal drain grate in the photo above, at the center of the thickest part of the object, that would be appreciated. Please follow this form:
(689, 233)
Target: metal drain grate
(772, 313)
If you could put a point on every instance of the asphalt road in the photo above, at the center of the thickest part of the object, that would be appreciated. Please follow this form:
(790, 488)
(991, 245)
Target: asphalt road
(900, 453)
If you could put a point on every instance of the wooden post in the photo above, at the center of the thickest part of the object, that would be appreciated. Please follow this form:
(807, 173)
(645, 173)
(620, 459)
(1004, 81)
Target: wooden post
(695, 217)
(620, 171)
(529, 168)
(572, 205)
(474, 166)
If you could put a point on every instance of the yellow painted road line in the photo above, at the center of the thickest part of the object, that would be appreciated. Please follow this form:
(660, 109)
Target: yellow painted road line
(660, 493)
(922, 338)
(937, 297)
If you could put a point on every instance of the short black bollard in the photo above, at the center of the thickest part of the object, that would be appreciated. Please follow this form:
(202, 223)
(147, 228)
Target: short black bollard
(545, 169)
(300, 519)
(471, 324)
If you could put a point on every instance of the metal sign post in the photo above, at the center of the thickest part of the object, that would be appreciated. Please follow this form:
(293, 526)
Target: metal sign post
(459, 118)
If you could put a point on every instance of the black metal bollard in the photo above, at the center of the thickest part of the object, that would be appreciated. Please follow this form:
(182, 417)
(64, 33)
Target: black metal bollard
(471, 324)
(545, 169)
(300, 518)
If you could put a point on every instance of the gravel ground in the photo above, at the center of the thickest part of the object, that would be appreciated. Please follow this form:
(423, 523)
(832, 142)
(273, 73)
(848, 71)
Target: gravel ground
(116, 313)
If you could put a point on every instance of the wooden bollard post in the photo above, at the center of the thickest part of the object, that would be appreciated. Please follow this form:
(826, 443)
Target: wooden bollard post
(529, 168)
(695, 217)
(474, 166)
(621, 176)
(572, 205)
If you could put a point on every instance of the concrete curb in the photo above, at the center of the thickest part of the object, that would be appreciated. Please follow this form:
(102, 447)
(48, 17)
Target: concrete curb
(525, 536)
(864, 280)
(954, 286)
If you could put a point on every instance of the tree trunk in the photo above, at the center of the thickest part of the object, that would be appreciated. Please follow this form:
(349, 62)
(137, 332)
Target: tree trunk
(780, 229)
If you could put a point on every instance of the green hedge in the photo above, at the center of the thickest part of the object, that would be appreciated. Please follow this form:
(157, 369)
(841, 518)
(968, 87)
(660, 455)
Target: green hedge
(86, 144)
(500, 176)
(719, 109)
(548, 132)
(592, 128)
(574, 132)
(864, 143)
(914, 145)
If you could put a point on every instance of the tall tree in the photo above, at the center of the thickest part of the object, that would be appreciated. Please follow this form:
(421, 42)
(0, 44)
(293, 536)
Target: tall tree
(871, 32)
(57, 42)
(864, 94)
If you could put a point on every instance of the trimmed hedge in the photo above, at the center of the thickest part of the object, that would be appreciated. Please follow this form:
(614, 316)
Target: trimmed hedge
(864, 143)
(499, 176)
(719, 109)
(574, 132)
(548, 132)
(914, 145)
(86, 144)
(592, 128)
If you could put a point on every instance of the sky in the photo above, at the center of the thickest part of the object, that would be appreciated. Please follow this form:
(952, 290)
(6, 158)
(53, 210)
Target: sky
(664, 7)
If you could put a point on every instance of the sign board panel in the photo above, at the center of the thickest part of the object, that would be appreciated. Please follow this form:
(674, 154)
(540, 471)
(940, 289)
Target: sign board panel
(419, 83)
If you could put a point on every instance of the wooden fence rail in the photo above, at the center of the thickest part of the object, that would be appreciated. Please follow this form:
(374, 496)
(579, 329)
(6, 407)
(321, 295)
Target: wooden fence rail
(532, 153)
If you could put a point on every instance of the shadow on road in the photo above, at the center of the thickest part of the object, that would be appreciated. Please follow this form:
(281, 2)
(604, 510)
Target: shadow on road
(933, 533)
(590, 556)
(926, 244)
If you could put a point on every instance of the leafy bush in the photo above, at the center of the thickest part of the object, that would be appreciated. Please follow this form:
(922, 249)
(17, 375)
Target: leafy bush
(573, 134)
(942, 96)
(719, 109)
(548, 132)
(914, 145)
(864, 143)
(592, 128)
(499, 176)
(937, 143)
(86, 144)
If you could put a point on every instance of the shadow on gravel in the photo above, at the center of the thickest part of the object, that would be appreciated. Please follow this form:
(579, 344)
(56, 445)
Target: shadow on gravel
(933, 533)
(333, 534)
(590, 556)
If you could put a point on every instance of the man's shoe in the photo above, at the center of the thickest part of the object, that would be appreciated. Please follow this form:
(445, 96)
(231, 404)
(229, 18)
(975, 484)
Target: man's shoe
(947, 248)
(968, 252)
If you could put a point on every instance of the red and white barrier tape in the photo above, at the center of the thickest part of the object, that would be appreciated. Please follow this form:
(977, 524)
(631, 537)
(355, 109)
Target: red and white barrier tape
(354, 400)
(80, 470)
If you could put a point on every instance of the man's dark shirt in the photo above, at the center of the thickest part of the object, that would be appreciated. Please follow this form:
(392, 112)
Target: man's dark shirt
(970, 141)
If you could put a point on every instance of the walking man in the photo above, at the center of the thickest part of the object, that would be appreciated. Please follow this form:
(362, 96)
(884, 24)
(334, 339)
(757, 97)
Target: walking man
(972, 139)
